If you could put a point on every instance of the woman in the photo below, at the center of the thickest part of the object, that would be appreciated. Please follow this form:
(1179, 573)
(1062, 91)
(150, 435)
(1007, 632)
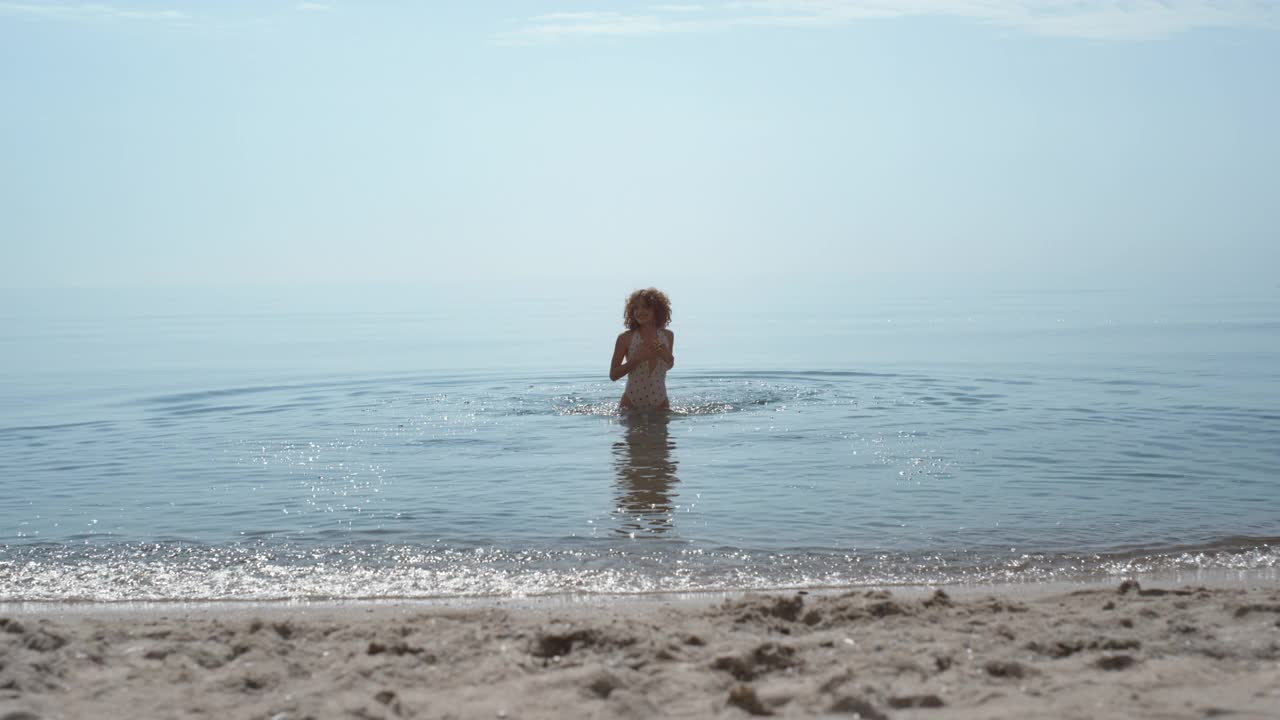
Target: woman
(646, 345)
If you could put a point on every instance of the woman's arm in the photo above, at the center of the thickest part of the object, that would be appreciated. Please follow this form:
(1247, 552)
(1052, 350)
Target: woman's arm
(668, 353)
(617, 368)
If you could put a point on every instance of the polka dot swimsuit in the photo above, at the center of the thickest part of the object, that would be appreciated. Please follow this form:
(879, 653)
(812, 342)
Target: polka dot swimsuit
(647, 384)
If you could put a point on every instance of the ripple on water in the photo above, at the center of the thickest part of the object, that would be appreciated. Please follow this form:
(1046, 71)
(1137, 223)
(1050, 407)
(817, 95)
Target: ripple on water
(909, 464)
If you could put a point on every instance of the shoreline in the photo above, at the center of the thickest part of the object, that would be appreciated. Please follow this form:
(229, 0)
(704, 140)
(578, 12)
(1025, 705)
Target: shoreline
(1131, 649)
(1212, 577)
(160, 573)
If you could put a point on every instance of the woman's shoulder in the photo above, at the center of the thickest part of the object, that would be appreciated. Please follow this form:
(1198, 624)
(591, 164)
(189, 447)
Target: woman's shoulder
(625, 335)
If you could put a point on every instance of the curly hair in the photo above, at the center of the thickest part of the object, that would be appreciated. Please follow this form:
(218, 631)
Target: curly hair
(657, 302)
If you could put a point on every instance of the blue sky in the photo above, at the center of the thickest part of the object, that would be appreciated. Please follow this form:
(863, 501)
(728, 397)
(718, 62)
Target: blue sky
(160, 144)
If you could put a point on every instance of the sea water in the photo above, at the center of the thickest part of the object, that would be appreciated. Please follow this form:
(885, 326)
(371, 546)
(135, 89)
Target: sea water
(257, 445)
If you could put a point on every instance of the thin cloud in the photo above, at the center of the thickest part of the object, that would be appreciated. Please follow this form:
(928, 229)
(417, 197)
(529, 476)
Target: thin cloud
(1115, 19)
(314, 6)
(91, 12)
(553, 26)
(680, 8)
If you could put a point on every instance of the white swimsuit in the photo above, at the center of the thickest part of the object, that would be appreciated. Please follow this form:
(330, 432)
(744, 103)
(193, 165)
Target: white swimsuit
(647, 384)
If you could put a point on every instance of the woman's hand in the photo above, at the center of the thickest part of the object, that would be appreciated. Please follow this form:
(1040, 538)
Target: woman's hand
(664, 353)
(648, 351)
(655, 352)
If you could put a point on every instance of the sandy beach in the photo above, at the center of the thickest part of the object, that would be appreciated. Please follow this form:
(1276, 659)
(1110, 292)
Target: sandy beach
(1126, 651)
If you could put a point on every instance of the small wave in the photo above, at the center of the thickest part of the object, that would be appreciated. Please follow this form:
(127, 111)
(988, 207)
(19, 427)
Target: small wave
(602, 409)
(612, 409)
(709, 407)
(187, 398)
(190, 572)
(89, 424)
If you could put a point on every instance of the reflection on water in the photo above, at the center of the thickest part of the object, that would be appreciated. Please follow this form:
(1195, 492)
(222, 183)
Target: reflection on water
(646, 474)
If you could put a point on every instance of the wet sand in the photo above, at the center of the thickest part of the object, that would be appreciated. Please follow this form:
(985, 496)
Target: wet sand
(1123, 652)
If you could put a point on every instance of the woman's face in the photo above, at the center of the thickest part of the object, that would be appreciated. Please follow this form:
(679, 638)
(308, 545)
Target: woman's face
(642, 313)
